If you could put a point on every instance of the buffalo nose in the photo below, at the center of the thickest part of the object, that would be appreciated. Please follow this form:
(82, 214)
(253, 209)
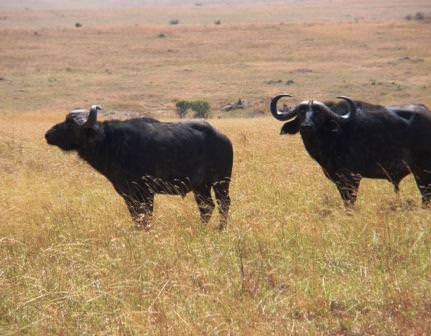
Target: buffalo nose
(48, 136)
(306, 125)
(306, 128)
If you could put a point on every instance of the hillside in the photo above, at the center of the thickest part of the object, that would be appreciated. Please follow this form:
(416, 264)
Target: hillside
(293, 260)
(38, 15)
(74, 4)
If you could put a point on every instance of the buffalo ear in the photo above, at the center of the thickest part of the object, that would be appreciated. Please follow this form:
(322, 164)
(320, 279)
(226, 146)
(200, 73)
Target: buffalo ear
(291, 127)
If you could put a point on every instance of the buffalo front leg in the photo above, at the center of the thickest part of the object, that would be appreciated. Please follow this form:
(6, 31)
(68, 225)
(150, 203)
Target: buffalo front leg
(141, 211)
(205, 202)
(221, 190)
(348, 186)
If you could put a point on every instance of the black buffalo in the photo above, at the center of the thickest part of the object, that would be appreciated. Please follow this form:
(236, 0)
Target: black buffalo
(143, 157)
(353, 139)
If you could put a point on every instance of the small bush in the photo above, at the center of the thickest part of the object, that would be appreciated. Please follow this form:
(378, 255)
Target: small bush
(182, 107)
(217, 22)
(419, 16)
(78, 25)
(201, 108)
(162, 35)
(174, 21)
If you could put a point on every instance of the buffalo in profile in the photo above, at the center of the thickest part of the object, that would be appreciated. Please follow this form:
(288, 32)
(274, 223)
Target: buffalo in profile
(143, 157)
(352, 139)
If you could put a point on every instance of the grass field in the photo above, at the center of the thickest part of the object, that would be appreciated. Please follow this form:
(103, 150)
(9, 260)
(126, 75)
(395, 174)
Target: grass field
(293, 261)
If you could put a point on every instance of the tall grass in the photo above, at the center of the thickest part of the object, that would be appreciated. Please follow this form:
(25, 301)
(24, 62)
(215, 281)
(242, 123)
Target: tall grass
(292, 260)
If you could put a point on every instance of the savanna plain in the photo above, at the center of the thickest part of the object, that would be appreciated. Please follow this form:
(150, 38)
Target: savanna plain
(293, 260)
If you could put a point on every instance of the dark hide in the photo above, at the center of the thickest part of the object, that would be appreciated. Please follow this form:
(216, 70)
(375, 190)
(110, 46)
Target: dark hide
(383, 142)
(144, 157)
(291, 127)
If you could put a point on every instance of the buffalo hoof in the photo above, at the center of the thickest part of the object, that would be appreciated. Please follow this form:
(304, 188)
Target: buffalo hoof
(221, 227)
(142, 223)
(349, 209)
(143, 227)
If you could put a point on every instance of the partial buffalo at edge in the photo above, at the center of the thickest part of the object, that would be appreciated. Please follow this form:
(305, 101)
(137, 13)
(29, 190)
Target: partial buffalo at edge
(354, 139)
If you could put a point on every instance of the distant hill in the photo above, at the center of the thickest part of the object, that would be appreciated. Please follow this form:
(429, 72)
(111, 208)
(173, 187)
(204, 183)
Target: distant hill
(75, 4)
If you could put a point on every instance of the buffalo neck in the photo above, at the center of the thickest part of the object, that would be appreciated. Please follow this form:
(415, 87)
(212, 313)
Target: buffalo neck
(98, 149)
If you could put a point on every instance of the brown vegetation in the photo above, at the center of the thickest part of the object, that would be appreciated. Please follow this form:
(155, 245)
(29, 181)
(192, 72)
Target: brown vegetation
(292, 261)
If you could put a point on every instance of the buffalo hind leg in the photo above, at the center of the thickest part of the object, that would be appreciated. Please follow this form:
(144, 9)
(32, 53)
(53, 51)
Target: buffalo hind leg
(205, 202)
(141, 211)
(423, 181)
(221, 190)
(396, 183)
(348, 186)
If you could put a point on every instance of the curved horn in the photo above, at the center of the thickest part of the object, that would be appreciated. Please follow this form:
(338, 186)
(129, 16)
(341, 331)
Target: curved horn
(326, 108)
(92, 116)
(353, 107)
(276, 113)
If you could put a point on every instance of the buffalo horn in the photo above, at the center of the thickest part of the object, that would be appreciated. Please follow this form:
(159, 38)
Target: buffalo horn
(352, 107)
(326, 108)
(92, 116)
(281, 115)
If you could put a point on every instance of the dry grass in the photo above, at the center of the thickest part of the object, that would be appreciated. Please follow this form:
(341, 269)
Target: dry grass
(133, 68)
(292, 261)
(51, 13)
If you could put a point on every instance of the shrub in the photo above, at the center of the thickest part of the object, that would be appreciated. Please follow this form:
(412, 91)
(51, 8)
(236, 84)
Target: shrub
(182, 107)
(419, 16)
(78, 25)
(217, 22)
(174, 21)
(162, 35)
(201, 108)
